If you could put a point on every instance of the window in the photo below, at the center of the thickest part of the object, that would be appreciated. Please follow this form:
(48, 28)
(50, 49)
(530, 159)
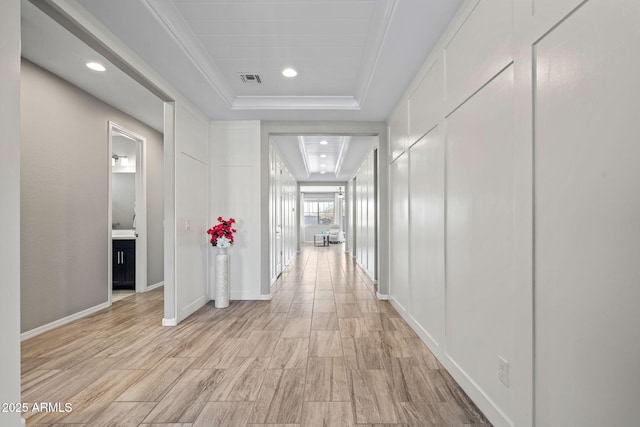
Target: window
(318, 212)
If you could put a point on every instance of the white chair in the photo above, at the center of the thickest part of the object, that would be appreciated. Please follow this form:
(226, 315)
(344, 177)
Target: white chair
(336, 235)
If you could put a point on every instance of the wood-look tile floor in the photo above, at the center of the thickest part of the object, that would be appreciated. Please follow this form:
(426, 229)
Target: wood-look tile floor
(323, 352)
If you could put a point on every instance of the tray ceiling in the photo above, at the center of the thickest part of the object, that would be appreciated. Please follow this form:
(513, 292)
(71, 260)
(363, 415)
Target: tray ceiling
(354, 57)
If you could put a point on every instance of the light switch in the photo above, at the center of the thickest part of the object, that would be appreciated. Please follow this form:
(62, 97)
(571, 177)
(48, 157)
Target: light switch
(187, 224)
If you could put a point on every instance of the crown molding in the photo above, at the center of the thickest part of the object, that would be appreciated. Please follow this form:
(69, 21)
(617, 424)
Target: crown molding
(166, 13)
(384, 13)
(295, 103)
(174, 24)
(346, 140)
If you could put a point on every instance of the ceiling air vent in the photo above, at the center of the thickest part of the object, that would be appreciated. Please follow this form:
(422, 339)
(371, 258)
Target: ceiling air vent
(250, 78)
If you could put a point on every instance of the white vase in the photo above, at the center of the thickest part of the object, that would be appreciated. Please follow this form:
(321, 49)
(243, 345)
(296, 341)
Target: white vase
(222, 278)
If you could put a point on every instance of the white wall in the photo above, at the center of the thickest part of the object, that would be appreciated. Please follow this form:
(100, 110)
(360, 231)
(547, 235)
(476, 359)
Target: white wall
(399, 256)
(235, 191)
(452, 205)
(10, 207)
(192, 219)
(566, 72)
(587, 232)
(365, 225)
(290, 208)
(350, 235)
(283, 214)
(426, 243)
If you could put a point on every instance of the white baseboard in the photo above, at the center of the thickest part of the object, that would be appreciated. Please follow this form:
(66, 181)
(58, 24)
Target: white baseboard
(477, 395)
(49, 326)
(382, 297)
(192, 308)
(170, 322)
(248, 296)
(154, 286)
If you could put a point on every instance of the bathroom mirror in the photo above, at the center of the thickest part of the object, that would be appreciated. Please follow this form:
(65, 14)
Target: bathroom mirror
(128, 212)
(123, 182)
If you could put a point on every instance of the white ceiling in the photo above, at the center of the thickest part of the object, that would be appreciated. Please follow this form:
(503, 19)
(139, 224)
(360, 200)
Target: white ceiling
(355, 58)
(323, 155)
(356, 149)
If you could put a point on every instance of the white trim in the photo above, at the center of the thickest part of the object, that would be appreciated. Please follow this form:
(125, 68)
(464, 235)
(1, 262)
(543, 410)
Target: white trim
(367, 272)
(56, 323)
(154, 286)
(140, 208)
(477, 395)
(382, 297)
(173, 24)
(89, 28)
(170, 322)
(193, 307)
(249, 296)
(295, 102)
(399, 307)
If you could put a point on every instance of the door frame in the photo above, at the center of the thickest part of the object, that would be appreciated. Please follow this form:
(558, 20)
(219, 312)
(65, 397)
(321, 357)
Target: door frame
(141, 208)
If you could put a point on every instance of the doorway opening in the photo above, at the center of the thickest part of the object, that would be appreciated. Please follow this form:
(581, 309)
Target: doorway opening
(127, 225)
(323, 205)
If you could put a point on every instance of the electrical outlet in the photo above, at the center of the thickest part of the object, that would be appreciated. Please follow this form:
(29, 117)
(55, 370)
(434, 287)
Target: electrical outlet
(503, 371)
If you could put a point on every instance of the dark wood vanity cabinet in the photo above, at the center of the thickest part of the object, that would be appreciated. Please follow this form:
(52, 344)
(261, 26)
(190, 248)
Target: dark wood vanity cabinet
(124, 264)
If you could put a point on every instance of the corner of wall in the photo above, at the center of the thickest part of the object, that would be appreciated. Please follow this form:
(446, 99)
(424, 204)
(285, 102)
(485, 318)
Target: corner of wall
(10, 207)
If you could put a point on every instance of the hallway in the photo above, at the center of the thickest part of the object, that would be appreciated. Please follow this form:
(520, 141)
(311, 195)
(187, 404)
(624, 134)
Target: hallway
(323, 352)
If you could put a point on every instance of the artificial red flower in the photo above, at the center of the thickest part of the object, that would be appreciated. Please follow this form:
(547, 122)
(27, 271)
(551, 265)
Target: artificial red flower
(223, 229)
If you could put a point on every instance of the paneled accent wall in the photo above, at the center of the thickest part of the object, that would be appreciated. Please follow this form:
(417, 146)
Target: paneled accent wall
(451, 207)
(191, 166)
(398, 130)
(587, 210)
(283, 214)
(351, 219)
(426, 243)
(365, 224)
(234, 181)
(524, 103)
(399, 255)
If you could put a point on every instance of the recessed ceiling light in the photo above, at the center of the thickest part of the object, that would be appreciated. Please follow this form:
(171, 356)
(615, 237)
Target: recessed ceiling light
(323, 155)
(322, 172)
(289, 72)
(323, 142)
(323, 165)
(95, 66)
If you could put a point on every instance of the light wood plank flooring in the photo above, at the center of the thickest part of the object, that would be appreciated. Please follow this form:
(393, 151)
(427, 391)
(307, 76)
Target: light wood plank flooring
(323, 352)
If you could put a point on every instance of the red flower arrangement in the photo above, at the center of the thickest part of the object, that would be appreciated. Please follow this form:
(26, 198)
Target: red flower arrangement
(222, 233)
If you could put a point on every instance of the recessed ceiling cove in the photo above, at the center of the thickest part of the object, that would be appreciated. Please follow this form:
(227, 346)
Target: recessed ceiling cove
(332, 45)
(353, 58)
(323, 155)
